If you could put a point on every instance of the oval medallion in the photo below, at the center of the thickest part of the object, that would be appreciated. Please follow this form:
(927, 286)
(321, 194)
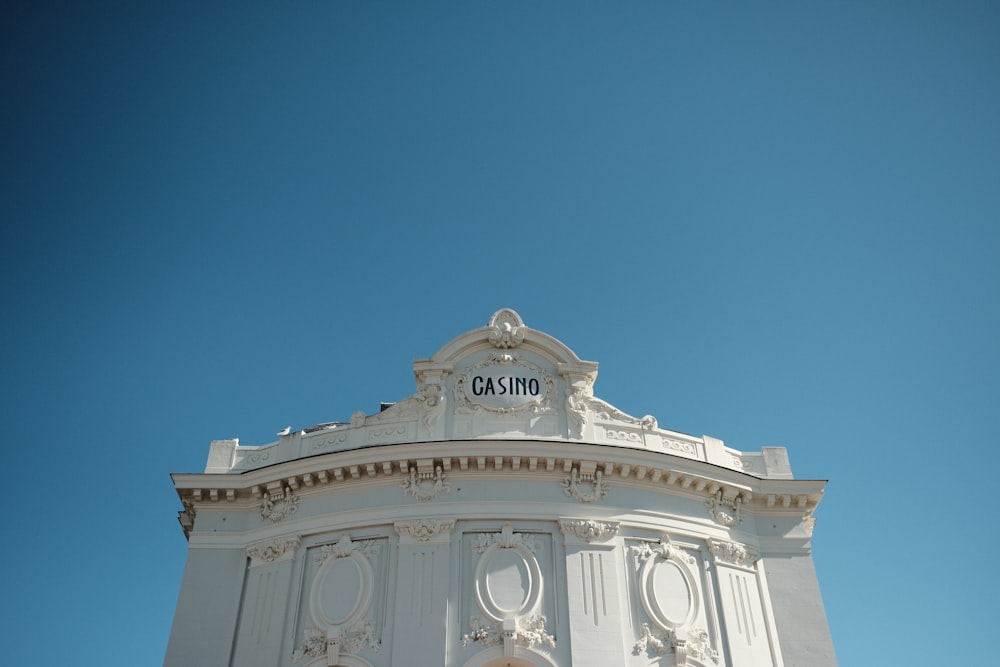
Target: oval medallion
(508, 580)
(670, 592)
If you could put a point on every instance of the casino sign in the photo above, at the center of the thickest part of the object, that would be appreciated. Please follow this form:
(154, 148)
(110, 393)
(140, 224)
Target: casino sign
(505, 383)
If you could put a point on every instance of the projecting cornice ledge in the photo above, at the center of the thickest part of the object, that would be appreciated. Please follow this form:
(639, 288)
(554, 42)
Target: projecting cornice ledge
(584, 472)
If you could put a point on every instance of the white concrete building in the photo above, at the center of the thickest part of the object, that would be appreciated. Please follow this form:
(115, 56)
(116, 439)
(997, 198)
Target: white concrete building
(501, 515)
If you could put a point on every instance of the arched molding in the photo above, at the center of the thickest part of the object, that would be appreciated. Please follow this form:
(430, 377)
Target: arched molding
(342, 661)
(505, 330)
(494, 657)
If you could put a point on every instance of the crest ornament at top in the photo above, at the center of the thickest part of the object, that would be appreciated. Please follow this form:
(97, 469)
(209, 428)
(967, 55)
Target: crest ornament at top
(506, 329)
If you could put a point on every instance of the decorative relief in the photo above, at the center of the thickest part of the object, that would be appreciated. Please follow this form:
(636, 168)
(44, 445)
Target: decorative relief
(733, 553)
(387, 433)
(505, 384)
(679, 446)
(426, 485)
(664, 549)
(725, 511)
(697, 646)
(505, 539)
(584, 487)
(529, 631)
(258, 457)
(576, 410)
(668, 590)
(485, 632)
(345, 547)
(607, 412)
(340, 601)
(589, 530)
(282, 548)
(628, 436)
(507, 588)
(660, 642)
(352, 641)
(505, 329)
(424, 530)
(279, 505)
(656, 643)
(335, 441)
(753, 464)
(434, 400)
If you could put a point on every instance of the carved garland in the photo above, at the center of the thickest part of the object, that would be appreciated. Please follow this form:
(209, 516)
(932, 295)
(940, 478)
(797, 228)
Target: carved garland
(725, 511)
(733, 553)
(589, 530)
(424, 530)
(280, 505)
(572, 486)
(426, 485)
(269, 552)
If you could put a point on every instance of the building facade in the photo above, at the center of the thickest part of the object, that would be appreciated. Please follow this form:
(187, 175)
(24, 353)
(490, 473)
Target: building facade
(502, 515)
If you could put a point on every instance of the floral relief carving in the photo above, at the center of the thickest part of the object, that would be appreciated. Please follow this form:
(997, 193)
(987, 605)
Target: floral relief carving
(424, 530)
(317, 643)
(529, 631)
(426, 485)
(345, 547)
(483, 631)
(269, 552)
(731, 552)
(725, 511)
(589, 530)
(586, 488)
(664, 549)
(279, 505)
(661, 641)
(505, 539)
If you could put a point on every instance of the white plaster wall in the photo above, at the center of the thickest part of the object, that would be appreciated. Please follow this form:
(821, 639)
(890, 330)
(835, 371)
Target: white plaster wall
(803, 631)
(207, 608)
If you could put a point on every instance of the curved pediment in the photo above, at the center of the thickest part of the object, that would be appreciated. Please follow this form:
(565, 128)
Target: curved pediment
(503, 380)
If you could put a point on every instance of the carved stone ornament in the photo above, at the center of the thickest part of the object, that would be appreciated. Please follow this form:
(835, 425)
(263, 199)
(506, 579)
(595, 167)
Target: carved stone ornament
(505, 384)
(340, 601)
(505, 539)
(345, 547)
(529, 631)
(589, 530)
(272, 551)
(424, 530)
(434, 401)
(585, 488)
(726, 511)
(505, 329)
(280, 505)
(664, 549)
(659, 642)
(426, 485)
(733, 553)
(318, 643)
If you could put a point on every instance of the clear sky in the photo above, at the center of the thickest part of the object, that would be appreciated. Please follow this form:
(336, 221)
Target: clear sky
(775, 223)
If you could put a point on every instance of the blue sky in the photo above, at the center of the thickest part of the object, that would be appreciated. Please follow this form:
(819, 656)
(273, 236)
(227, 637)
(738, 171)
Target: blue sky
(775, 223)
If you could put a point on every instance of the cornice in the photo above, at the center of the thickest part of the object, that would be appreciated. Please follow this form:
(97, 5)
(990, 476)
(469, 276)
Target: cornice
(424, 473)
